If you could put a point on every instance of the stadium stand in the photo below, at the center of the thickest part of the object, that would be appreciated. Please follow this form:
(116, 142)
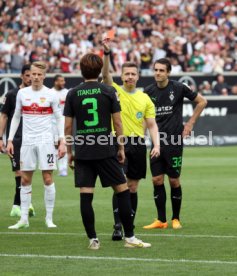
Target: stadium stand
(197, 35)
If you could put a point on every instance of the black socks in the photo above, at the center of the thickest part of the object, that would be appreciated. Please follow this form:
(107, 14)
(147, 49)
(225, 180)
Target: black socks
(160, 201)
(176, 199)
(17, 198)
(125, 212)
(134, 200)
(87, 214)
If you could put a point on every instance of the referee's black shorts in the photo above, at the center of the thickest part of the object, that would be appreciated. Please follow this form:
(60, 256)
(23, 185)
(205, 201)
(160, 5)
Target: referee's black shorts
(135, 163)
(169, 162)
(109, 170)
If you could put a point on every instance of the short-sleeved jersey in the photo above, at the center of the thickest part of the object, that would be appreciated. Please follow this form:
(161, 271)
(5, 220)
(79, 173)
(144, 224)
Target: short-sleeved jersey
(135, 107)
(92, 104)
(169, 106)
(8, 108)
(37, 108)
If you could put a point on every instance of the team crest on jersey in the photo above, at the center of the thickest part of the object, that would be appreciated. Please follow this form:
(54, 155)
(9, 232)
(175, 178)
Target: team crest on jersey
(139, 115)
(171, 96)
(42, 100)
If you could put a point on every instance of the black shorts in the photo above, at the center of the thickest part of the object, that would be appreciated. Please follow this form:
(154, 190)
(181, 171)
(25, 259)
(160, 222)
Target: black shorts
(169, 162)
(15, 160)
(109, 171)
(135, 163)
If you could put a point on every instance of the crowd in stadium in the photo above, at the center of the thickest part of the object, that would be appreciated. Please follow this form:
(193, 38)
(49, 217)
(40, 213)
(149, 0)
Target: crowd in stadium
(198, 35)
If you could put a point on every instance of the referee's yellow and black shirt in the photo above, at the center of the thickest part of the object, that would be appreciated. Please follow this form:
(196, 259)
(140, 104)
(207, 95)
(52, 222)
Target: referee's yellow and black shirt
(136, 107)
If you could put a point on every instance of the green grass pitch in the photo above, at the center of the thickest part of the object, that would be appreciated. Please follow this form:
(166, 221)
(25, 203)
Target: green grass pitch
(206, 245)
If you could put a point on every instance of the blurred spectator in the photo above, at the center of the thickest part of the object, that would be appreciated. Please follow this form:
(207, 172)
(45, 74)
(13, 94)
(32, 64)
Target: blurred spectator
(220, 87)
(17, 60)
(176, 68)
(196, 62)
(2, 67)
(174, 29)
(205, 88)
(234, 90)
(146, 61)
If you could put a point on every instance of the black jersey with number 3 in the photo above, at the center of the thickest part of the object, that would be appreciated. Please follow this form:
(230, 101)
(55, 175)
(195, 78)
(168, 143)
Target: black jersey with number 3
(169, 106)
(92, 104)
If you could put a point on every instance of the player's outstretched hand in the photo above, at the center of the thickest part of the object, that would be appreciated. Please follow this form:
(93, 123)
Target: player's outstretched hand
(155, 152)
(188, 127)
(10, 149)
(106, 44)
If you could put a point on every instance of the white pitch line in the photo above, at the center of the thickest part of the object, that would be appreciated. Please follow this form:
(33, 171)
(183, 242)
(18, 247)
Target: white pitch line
(137, 234)
(118, 259)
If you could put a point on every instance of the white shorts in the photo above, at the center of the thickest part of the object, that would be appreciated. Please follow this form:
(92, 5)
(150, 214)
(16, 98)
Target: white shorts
(43, 154)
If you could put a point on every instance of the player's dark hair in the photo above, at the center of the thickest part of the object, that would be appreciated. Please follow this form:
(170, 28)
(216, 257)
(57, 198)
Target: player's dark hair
(56, 77)
(164, 61)
(91, 66)
(129, 64)
(25, 68)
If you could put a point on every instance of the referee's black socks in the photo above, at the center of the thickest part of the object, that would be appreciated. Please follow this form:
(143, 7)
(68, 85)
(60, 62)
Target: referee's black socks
(160, 201)
(87, 214)
(176, 199)
(134, 203)
(115, 209)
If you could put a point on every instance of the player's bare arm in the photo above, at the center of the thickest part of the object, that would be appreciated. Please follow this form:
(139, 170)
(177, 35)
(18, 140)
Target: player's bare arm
(201, 103)
(107, 78)
(118, 127)
(153, 129)
(68, 135)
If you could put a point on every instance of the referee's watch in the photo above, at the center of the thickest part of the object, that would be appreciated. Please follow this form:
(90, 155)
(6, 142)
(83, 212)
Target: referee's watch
(1, 138)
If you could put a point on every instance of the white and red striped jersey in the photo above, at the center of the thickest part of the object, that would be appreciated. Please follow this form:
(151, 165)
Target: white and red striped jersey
(37, 109)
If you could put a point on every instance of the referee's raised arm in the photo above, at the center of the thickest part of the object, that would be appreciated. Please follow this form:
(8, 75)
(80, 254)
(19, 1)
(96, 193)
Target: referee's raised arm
(107, 78)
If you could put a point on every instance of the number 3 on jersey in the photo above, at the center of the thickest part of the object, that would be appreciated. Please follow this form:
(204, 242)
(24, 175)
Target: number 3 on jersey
(92, 102)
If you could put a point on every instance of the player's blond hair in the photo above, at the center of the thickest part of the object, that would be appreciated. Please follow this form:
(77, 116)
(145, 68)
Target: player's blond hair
(39, 64)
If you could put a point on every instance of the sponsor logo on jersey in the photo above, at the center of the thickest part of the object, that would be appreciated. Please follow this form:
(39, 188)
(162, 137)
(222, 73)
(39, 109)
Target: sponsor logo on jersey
(34, 106)
(164, 110)
(139, 115)
(35, 109)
